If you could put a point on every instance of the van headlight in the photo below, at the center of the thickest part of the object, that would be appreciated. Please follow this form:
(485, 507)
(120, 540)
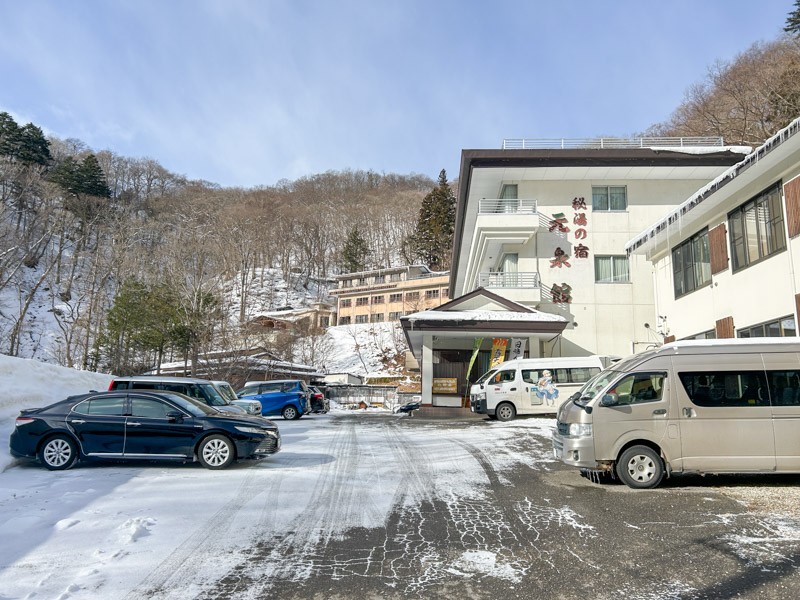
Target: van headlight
(580, 429)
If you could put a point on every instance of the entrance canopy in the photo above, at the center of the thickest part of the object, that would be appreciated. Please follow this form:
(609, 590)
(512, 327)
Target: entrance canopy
(480, 313)
(448, 339)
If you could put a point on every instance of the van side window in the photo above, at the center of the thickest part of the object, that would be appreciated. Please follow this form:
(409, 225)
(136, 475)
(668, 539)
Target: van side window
(639, 387)
(269, 388)
(784, 387)
(726, 388)
(582, 374)
(503, 376)
(560, 375)
(530, 376)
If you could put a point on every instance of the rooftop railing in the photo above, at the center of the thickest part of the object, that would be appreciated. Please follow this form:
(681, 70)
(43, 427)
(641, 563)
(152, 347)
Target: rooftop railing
(492, 206)
(610, 142)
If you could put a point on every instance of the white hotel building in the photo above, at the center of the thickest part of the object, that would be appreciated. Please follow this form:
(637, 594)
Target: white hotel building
(546, 227)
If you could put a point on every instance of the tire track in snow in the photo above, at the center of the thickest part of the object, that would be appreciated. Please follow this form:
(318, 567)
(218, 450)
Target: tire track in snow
(186, 562)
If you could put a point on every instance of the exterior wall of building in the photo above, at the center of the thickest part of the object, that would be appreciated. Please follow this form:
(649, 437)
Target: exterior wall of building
(759, 293)
(605, 318)
(373, 302)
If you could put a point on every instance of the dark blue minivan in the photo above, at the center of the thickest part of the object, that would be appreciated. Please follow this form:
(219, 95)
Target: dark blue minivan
(289, 398)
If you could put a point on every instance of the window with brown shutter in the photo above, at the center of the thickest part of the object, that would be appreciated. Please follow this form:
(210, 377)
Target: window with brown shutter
(725, 328)
(718, 248)
(792, 194)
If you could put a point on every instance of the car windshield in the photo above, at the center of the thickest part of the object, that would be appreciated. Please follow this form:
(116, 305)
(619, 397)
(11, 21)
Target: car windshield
(594, 385)
(486, 376)
(213, 394)
(190, 405)
(226, 391)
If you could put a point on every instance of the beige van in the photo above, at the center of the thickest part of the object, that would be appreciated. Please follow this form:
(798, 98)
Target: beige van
(711, 406)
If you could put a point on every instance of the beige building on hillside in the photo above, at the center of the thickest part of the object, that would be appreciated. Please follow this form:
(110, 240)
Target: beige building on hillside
(388, 294)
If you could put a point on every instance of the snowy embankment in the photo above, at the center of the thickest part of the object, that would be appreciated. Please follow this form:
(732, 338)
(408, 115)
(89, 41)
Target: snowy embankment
(364, 348)
(32, 384)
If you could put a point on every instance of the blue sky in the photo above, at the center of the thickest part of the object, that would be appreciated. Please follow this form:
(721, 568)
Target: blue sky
(247, 93)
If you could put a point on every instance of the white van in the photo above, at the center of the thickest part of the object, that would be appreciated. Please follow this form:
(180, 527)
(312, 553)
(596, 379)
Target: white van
(532, 386)
(710, 406)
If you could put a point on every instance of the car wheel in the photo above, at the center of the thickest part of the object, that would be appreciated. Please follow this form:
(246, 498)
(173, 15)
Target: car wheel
(640, 467)
(290, 412)
(215, 452)
(506, 412)
(58, 453)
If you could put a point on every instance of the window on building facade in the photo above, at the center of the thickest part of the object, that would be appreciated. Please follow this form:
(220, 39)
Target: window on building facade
(711, 334)
(609, 197)
(346, 303)
(412, 296)
(362, 301)
(691, 264)
(324, 321)
(394, 277)
(756, 229)
(431, 294)
(362, 281)
(344, 320)
(445, 293)
(395, 316)
(611, 269)
(346, 283)
(380, 278)
(509, 191)
(361, 318)
(395, 297)
(784, 327)
(378, 299)
(377, 318)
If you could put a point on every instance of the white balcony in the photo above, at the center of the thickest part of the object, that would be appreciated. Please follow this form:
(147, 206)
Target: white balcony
(506, 206)
(509, 280)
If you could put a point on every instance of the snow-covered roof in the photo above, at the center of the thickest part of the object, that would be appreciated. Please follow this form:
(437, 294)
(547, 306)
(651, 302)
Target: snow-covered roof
(713, 186)
(534, 316)
(390, 270)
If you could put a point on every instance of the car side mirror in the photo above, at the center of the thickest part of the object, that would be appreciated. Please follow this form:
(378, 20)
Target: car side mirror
(175, 417)
(609, 400)
(574, 396)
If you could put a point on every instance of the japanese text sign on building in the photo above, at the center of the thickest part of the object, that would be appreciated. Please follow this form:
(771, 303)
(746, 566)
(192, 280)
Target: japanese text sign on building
(443, 385)
(560, 259)
(561, 294)
(557, 223)
(579, 204)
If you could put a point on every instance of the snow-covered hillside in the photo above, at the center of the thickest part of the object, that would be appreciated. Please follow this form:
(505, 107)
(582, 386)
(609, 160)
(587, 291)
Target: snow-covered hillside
(364, 349)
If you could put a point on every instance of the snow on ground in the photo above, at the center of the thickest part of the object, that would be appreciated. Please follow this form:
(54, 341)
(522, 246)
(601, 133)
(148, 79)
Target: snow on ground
(33, 384)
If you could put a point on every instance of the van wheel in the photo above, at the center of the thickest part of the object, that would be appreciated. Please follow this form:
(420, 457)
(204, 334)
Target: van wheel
(640, 467)
(290, 412)
(505, 412)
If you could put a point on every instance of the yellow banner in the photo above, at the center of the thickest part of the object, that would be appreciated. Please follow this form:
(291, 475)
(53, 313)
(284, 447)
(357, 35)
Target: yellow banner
(498, 351)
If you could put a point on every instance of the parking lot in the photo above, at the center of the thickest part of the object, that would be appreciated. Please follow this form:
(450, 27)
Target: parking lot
(376, 505)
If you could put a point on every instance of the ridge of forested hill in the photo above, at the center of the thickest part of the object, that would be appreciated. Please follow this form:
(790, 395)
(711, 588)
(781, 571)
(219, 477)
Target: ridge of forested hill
(84, 231)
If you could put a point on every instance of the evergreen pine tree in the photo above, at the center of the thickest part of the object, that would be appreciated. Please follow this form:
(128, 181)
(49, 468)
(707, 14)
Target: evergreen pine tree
(9, 135)
(432, 241)
(355, 253)
(33, 149)
(92, 178)
(793, 20)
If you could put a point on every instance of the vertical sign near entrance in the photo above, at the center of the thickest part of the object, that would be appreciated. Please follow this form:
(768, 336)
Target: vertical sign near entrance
(498, 351)
(476, 346)
(517, 348)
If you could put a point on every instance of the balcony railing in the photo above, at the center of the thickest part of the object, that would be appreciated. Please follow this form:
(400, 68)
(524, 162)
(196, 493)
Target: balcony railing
(509, 280)
(492, 206)
(612, 142)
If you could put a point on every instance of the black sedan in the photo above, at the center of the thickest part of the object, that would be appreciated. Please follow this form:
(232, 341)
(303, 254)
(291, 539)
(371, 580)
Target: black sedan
(139, 425)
